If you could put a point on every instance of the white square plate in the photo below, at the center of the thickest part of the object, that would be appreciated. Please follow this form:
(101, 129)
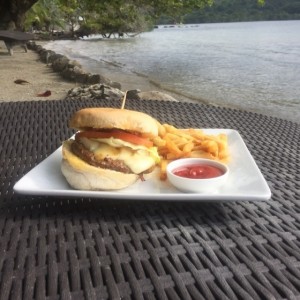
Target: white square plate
(245, 181)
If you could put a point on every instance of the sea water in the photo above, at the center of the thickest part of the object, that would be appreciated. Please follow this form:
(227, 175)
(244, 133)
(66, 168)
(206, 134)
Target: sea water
(248, 65)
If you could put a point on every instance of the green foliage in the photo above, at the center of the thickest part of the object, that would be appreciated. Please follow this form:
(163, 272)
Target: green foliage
(72, 11)
(292, 8)
(115, 16)
(44, 15)
(176, 8)
(122, 16)
(108, 16)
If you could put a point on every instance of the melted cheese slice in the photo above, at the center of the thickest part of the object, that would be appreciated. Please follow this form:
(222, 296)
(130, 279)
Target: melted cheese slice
(138, 158)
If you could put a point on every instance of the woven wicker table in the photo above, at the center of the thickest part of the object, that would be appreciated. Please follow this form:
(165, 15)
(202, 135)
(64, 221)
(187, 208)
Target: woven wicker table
(71, 248)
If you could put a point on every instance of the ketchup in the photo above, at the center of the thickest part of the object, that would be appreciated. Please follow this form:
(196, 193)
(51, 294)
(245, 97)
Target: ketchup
(198, 171)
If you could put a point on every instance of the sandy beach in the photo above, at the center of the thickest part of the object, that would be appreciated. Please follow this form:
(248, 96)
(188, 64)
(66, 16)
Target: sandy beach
(29, 67)
(40, 77)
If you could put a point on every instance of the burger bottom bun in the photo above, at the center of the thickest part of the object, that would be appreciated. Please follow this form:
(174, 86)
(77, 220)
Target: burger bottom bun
(104, 179)
(83, 176)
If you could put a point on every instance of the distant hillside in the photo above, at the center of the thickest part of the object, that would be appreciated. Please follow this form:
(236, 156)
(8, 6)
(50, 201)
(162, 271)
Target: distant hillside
(244, 10)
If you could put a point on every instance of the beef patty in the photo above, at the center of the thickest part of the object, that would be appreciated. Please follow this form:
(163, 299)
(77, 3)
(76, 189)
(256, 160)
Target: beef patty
(107, 163)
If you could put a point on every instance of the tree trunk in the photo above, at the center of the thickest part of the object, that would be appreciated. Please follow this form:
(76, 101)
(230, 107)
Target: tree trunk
(12, 13)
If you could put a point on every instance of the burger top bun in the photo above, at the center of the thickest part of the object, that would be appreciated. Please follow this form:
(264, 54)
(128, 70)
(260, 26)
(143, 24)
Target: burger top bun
(104, 117)
(82, 176)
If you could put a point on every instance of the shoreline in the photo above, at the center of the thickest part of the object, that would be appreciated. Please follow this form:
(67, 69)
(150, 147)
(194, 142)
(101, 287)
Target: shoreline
(134, 80)
(140, 81)
(128, 81)
(41, 77)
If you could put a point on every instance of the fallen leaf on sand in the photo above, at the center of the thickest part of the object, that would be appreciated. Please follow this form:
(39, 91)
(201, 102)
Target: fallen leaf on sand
(45, 94)
(20, 81)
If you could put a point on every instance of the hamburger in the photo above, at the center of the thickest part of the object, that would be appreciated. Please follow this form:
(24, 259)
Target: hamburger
(111, 150)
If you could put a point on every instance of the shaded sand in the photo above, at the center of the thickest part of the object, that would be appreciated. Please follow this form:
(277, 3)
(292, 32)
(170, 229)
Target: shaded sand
(27, 66)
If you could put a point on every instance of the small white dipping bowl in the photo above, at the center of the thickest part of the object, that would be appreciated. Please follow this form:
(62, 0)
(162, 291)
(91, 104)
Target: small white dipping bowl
(192, 185)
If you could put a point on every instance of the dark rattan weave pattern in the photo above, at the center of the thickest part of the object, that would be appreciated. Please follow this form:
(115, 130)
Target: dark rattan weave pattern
(65, 248)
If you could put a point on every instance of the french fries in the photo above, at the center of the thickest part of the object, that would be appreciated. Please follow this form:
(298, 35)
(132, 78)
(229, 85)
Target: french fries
(174, 143)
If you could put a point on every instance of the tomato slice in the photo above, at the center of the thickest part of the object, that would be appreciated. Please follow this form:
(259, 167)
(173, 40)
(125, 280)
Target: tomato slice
(117, 134)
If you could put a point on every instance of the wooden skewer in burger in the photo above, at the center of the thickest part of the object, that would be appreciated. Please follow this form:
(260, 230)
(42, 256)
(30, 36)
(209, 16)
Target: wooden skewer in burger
(111, 150)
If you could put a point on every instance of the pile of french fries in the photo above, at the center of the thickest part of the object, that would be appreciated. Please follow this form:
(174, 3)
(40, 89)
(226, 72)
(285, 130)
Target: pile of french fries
(174, 143)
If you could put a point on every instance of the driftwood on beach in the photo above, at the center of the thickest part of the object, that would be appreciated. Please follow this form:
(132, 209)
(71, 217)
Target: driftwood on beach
(16, 35)
(15, 38)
